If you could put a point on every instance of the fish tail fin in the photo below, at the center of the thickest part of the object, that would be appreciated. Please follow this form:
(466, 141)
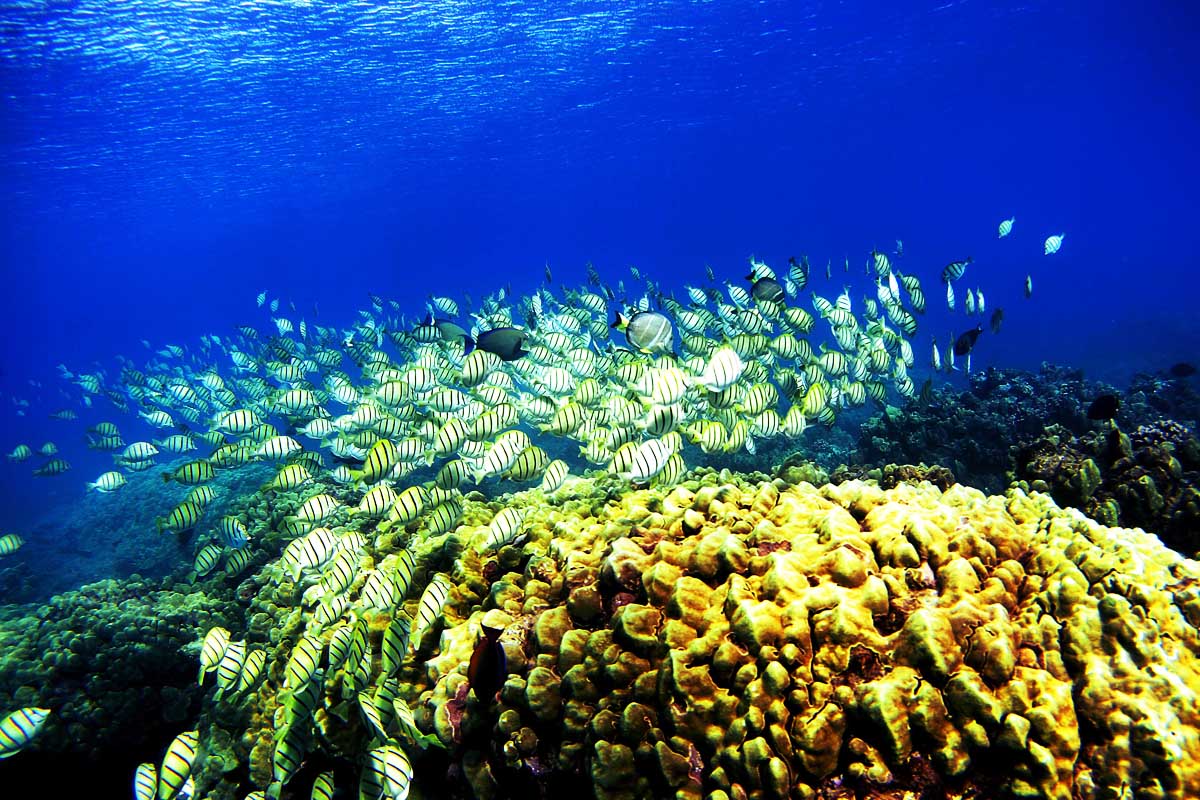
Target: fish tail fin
(468, 345)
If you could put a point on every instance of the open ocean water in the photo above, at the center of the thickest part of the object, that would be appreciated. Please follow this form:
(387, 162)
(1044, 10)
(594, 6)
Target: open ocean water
(204, 206)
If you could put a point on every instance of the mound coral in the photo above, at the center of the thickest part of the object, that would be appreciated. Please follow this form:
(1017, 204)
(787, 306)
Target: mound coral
(730, 640)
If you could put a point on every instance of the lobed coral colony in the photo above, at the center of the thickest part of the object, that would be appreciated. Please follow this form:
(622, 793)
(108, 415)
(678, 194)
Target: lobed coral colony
(731, 637)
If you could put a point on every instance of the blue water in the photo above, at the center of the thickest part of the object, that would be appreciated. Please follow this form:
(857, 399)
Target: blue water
(162, 163)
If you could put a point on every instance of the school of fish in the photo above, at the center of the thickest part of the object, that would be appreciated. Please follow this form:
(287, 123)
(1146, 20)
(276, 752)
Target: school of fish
(520, 390)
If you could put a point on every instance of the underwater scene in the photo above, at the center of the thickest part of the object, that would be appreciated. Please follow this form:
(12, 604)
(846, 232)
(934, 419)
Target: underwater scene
(677, 399)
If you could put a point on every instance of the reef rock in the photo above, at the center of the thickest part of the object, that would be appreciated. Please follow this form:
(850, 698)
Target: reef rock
(1149, 478)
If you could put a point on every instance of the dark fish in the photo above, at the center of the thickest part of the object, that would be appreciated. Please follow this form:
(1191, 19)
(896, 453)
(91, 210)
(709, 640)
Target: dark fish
(1182, 370)
(709, 272)
(766, 289)
(997, 320)
(593, 277)
(549, 276)
(452, 332)
(1028, 286)
(955, 269)
(504, 342)
(1104, 407)
(488, 668)
(966, 343)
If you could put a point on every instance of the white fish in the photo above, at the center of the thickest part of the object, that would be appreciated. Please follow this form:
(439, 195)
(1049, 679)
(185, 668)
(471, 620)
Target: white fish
(722, 370)
(1006, 226)
(1053, 243)
(949, 295)
(648, 460)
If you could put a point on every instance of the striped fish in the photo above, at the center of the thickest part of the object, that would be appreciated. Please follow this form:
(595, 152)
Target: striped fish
(443, 517)
(554, 476)
(337, 577)
(451, 474)
(379, 591)
(371, 714)
(955, 269)
(182, 518)
(330, 610)
(316, 509)
(237, 561)
(278, 448)
(529, 464)
(376, 502)
(379, 462)
(339, 645)
(302, 664)
(252, 670)
(429, 608)
(323, 787)
(503, 528)
(230, 667)
(309, 551)
(648, 460)
(402, 567)
(19, 728)
(300, 703)
(145, 781)
(206, 559)
(290, 477)
(289, 753)
(192, 473)
(233, 532)
(212, 650)
(387, 773)
(201, 496)
(395, 643)
(10, 543)
(177, 764)
(238, 421)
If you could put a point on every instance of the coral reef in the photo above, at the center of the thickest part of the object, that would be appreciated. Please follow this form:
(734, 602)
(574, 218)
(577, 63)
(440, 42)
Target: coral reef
(970, 432)
(737, 636)
(778, 641)
(1149, 478)
(115, 660)
(732, 638)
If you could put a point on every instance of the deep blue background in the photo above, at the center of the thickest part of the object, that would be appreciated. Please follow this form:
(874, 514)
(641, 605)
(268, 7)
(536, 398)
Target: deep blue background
(163, 163)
